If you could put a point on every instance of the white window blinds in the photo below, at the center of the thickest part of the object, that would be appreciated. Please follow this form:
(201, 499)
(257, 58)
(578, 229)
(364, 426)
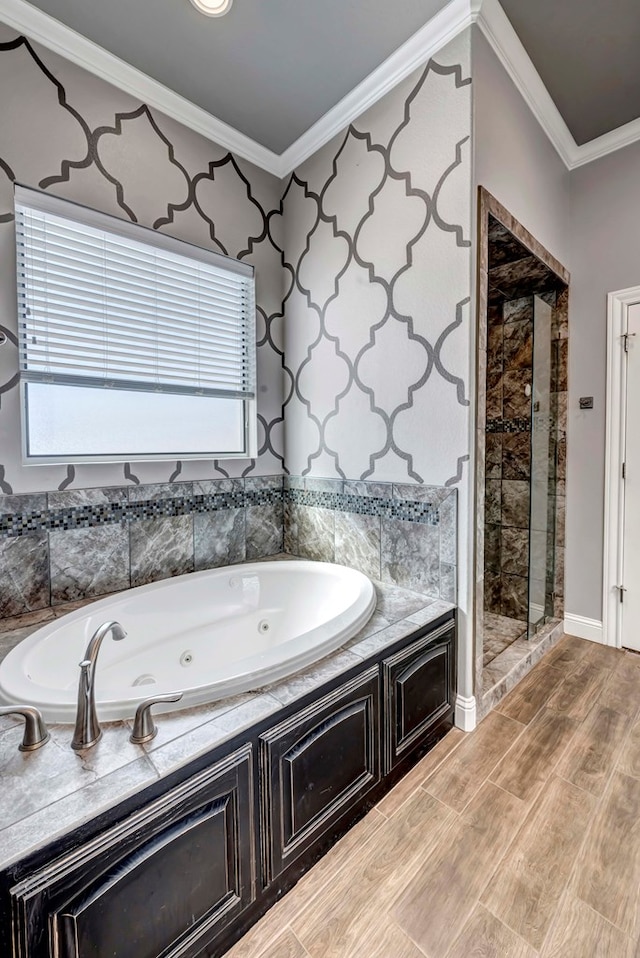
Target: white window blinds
(106, 303)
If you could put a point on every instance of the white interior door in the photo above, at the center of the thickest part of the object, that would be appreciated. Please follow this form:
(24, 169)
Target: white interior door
(631, 535)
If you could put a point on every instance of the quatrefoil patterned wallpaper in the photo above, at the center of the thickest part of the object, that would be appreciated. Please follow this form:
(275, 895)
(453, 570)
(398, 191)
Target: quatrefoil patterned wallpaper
(362, 257)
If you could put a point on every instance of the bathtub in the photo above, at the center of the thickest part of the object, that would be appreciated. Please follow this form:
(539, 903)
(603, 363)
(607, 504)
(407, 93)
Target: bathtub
(207, 634)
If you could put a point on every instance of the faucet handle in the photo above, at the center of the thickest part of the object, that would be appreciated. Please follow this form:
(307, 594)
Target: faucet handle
(144, 728)
(35, 730)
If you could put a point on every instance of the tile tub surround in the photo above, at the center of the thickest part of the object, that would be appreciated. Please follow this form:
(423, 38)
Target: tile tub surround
(61, 546)
(49, 792)
(401, 533)
(496, 442)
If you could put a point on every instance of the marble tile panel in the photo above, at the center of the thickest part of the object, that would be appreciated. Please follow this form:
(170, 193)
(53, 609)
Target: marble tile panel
(205, 737)
(312, 484)
(515, 402)
(377, 623)
(379, 640)
(514, 596)
(172, 725)
(559, 365)
(293, 482)
(449, 530)
(27, 619)
(58, 816)
(112, 751)
(419, 492)
(288, 690)
(316, 533)
(516, 455)
(291, 534)
(16, 504)
(492, 548)
(379, 490)
(357, 542)
(518, 310)
(160, 490)
(493, 592)
(394, 603)
(74, 498)
(411, 556)
(518, 345)
(493, 455)
(218, 538)
(559, 572)
(36, 778)
(514, 551)
(88, 562)
(161, 548)
(217, 487)
(560, 315)
(255, 483)
(430, 612)
(24, 573)
(515, 503)
(494, 400)
(493, 502)
(448, 586)
(264, 530)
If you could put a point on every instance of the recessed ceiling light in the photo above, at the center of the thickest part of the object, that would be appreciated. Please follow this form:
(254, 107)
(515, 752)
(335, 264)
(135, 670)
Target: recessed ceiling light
(212, 8)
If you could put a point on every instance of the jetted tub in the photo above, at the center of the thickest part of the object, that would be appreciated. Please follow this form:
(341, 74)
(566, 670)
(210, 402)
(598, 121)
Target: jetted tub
(208, 634)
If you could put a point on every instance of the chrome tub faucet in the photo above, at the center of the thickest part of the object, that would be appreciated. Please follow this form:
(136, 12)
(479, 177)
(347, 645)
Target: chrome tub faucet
(87, 731)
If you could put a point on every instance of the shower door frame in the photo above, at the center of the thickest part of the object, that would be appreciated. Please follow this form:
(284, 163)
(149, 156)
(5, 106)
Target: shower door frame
(488, 205)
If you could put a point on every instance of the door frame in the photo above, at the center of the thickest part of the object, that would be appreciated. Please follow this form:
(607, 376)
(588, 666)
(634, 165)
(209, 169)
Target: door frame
(618, 303)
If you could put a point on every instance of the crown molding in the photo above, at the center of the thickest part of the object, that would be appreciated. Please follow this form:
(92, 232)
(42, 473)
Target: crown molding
(607, 143)
(443, 27)
(495, 25)
(455, 17)
(61, 39)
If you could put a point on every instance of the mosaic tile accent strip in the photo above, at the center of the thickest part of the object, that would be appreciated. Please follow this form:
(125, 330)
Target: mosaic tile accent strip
(407, 510)
(14, 523)
(520, 424)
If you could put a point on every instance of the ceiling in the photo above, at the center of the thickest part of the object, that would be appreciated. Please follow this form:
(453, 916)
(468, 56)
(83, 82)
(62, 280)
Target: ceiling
(587, 53)
(269, 68)
(272, 68)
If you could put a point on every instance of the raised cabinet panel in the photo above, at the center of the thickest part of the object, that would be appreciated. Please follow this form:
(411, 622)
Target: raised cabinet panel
(317, 765)
(161, 884)
(419, 691)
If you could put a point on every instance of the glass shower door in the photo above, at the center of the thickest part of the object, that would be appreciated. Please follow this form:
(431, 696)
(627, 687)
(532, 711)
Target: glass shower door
(541, 514)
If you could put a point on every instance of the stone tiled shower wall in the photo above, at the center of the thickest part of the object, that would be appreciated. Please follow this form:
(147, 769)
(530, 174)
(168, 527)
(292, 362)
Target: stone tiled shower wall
(508, 456)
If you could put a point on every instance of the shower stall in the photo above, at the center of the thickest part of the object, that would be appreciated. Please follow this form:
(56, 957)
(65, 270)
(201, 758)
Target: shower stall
(525, 392)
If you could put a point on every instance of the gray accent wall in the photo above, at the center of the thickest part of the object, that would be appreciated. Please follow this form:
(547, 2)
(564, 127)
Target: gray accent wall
(605, 256)
(514, 159)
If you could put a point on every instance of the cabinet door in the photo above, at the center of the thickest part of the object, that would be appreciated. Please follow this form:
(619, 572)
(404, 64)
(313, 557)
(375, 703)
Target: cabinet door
(163, 882)
(418, 683)
(315, 766)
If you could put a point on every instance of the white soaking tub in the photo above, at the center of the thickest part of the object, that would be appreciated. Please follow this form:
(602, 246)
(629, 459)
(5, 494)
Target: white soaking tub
(208, 634)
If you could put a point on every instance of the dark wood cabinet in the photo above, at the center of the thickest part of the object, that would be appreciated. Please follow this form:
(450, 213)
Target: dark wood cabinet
(418, 691)
(164, 882)
(183, 870)
(315, 766)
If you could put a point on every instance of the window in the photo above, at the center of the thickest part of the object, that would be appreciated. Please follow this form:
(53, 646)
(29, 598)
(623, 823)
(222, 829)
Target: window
(133, 345)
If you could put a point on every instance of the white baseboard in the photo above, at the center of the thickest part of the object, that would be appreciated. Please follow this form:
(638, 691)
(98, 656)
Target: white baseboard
(584, 628)
(465, 713)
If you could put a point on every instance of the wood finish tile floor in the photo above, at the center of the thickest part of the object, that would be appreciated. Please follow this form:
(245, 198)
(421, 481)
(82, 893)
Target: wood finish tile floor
(521, 839)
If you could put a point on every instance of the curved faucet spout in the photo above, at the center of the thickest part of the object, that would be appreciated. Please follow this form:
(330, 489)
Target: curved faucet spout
(87, 731)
